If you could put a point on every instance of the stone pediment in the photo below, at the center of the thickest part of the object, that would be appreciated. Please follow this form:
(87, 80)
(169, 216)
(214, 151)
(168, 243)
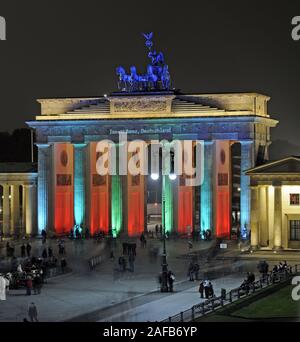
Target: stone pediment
(289, 165)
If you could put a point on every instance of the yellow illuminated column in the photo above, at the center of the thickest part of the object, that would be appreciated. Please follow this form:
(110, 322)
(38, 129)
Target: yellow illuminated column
(15, 209)
(254, 217)
(6, 229)
(277, 217)
(29, 208)
(263, 217)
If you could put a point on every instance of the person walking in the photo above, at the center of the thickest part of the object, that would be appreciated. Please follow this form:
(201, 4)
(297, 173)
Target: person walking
(171, 279)
(191, 271)
(63, 264)
(206, 289)
(50, 252)
(37, 284)
(201, 289)
(196, 271)
(44, 254)
(23, 251)
(28, 286)
(28, 249)
(33, 313)
(131, 262)
(211, 292)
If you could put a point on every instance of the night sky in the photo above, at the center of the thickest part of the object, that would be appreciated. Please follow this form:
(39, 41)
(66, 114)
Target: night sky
(69, 49)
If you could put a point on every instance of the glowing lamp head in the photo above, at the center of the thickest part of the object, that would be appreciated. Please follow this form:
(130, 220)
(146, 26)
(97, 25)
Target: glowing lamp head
(172, 176)
(154, 176)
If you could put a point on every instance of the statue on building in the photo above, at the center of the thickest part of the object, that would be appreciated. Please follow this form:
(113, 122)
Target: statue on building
(157, 76)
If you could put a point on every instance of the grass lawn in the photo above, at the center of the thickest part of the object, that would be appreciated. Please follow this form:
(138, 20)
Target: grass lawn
(278, 306)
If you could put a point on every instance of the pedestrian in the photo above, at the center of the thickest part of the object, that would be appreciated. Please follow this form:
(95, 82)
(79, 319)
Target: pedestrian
(28, 249)
(7, 249)
(28, 286)
(50, 252)
(37, 284)
(63, 264)
(191, 271)
(156, 230)
(201, 289)
(131, 262)
(44, 254)
(211, 292)
(171, 279)
(33, 313)
(206, 289)
(23, 251)
(196, 271)
(112, 256)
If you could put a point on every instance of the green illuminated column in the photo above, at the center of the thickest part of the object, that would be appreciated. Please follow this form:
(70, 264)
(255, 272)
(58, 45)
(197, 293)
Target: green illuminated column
(79, 183)
(116, 204)
(116, 199)
(167, 204)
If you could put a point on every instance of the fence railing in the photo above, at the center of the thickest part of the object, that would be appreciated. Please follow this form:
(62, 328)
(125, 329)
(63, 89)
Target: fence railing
(210, 305)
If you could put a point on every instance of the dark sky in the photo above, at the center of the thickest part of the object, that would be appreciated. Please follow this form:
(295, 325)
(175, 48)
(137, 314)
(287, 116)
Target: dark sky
(68, 48)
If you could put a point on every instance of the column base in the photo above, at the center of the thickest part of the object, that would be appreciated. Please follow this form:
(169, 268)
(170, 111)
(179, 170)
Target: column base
(277, 248)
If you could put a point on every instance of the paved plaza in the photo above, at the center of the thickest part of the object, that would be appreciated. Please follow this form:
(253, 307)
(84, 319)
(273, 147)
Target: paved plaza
(106, 294)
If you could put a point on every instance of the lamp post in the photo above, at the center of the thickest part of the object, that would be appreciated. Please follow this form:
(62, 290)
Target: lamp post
(164, 264)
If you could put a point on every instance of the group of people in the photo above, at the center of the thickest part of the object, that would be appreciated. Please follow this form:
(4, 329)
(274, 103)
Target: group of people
(170, 280)
(281, 267)
(206, 289)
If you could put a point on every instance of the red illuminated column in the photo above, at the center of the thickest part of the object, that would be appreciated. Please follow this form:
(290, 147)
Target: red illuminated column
(222, 189)
(63, 187)
(99, 195)
(185, 193)
(185, 207)
(135, 203)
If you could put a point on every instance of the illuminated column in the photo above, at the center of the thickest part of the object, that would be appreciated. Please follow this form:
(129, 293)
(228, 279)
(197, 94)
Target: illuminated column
(207, 187)
(222, 195)
(263, 219)
(43, 190)
(247, 161)
(29, 209)
(254, 217)
(79, 183)
(277, 217)
(23, 208)
(15, 208)
(116, 199)
(6, 228)
(167, 201)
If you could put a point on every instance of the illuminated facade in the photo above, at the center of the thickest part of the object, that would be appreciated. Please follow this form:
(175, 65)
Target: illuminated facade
(18, 205)
(70, 192)
(275, 204)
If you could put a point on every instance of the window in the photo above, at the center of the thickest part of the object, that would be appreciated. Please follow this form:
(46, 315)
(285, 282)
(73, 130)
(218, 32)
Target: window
(294, 199)
(295, 230)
